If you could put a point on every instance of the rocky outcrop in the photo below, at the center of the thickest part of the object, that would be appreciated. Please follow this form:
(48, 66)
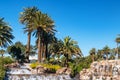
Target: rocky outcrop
(103, 70)
(40, 69)
(64, 70)
(12, 65)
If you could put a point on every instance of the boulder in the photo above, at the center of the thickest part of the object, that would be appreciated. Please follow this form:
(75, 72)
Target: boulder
(64, 70)
(106, 69)
(68, 71)
(40, 69)
(61, 71)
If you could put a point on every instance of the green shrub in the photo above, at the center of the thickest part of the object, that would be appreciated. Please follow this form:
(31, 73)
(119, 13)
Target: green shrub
(51, 68)
(34, 65)
(8, 60)
(2, 73)
(80, 64)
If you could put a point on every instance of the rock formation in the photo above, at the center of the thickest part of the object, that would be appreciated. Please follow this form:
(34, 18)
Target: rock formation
(103, 70)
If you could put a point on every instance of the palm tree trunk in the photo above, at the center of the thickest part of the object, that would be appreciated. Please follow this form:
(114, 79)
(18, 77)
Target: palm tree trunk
(46, 51)
(117, 51)
(2, 55)
(93, 58)
(107, 56)
(28, 46)
(66, 61)
(42, 49)
(39, 48)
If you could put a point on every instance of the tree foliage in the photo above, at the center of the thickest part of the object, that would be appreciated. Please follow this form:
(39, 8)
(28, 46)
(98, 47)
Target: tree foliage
(5, 33)
(17, 51)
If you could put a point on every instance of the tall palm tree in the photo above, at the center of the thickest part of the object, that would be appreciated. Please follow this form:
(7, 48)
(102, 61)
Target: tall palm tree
(118, 41)
(42, 23)
(2, 52)
(69, 48)
(26, 18)
(5, 34)
(92, 53)
(48, 40)
(106, 50)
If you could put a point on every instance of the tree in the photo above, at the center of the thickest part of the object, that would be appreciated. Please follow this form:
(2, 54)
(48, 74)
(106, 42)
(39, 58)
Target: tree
(118, 41)
(49, 39)
(42, 23)
(100, 54)
(112, 53)
(55, 48)
(5, 34)
(70, 48)
(26, 18)
(106, 50)
(92, 53)
(17, 51)
(2, 51)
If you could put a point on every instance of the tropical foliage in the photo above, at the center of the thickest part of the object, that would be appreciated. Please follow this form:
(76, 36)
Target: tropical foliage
(92, 53)
(2, 51)
(51, 68)
(5, 34)
(52, 52)
(17, 51)
(3, 61)
(26, 18)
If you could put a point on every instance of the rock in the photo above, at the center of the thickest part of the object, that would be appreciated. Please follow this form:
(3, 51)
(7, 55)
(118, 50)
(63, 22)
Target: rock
(68, 71)
(64, 70)
(12, 65)
(61, 71)
(106, 69)
(40, 69)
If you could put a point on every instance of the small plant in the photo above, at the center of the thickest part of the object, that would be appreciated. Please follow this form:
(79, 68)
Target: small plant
(34, 65)
(51, 68)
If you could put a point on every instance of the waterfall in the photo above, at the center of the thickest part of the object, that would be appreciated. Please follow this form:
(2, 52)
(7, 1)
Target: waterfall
(23, 73)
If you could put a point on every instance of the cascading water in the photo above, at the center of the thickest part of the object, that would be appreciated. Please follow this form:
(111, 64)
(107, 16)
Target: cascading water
(24, 73)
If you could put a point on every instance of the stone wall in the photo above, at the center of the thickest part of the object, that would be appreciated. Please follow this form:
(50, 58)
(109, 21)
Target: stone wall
(103, 70)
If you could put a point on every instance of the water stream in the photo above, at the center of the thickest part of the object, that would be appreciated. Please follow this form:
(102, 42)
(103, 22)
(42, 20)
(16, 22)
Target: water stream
(24, 73)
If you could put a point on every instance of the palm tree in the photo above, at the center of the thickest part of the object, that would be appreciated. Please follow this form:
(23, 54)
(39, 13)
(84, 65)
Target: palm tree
(106, 50)
(26, 18)
(100, 54)
(69, 48)
(118, 41)
(42, 23)
(48, 40)
(2, 52)
(5, 34)
(112, 53)
(92, 53)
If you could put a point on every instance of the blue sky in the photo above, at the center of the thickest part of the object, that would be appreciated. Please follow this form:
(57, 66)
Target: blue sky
(93, 23)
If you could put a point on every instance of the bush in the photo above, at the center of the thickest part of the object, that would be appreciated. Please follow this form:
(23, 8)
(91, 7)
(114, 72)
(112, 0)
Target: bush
(34, 65)
(2, 69)
(51, 68)
(6, 60)
(79, 64)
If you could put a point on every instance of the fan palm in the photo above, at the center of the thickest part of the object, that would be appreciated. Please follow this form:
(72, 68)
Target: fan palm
(26, 18)
(92, 53)
(106, 50)
(5, 34)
